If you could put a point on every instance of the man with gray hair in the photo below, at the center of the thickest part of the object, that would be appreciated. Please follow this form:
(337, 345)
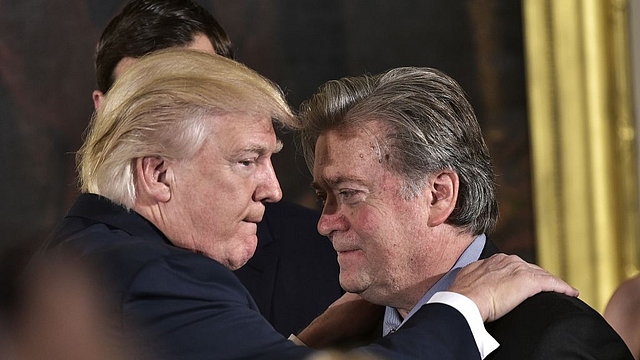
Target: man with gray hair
(408, 189)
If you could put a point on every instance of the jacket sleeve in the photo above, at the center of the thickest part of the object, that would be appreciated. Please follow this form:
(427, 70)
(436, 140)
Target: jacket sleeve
(436, 331)
(555, 326)
(190, 307)
(582, 336)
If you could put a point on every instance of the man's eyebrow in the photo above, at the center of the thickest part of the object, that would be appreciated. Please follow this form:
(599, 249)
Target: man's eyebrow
(334, 181)
(262, 149)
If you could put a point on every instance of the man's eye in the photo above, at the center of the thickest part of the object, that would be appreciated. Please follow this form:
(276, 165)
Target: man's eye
(350, 196)
(322, 198)
(247, 162)
(346, 194)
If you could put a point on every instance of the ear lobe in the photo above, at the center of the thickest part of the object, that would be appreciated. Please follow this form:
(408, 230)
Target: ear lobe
(153, 179)
(98, 97)
(444, 195)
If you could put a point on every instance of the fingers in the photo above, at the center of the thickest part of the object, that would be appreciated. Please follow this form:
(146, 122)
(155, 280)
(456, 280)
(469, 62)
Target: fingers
(500, 283)
(549, 282)
(541, 280)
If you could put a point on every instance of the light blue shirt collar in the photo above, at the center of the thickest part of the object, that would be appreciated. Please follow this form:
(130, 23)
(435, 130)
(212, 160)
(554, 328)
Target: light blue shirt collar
(393, 320)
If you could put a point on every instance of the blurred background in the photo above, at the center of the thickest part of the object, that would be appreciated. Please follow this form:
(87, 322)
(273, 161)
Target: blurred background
(46, 79)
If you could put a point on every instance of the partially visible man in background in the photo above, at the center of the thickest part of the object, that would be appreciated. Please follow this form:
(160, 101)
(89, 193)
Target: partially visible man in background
(293, 277)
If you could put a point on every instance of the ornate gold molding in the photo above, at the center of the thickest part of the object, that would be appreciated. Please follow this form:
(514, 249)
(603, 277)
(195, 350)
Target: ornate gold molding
(583, 142)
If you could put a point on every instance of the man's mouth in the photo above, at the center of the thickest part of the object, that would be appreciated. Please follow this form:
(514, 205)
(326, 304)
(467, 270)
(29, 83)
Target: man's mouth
(347, 251)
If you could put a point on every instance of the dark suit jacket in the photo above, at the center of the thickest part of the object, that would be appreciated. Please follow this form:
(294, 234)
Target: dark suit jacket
(293, 275)
(553, 326)
(187, 306)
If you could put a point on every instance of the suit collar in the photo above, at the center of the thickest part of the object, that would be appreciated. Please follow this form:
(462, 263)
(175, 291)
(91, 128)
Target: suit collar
(489, 249)
(98, 208)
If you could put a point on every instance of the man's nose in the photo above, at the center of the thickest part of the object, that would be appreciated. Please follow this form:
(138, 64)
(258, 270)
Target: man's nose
(269, 188)
(331, 220)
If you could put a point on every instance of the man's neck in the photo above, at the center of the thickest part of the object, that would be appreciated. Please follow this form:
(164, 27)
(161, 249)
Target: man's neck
(450, 246)
(395, 315)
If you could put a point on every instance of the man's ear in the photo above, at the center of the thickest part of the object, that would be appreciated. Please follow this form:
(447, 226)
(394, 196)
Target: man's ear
(444, 195)
(153, 175)
(98, 97)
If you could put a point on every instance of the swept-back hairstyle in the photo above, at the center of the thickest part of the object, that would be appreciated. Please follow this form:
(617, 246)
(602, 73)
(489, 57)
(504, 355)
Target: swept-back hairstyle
(145, 26)
(430, 127)
(162, 106)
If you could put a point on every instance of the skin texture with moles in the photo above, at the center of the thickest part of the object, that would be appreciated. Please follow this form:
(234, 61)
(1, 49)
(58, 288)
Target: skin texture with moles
(391, 247)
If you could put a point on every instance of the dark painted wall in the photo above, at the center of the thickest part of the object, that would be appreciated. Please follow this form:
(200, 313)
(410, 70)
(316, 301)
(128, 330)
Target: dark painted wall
(46, 79)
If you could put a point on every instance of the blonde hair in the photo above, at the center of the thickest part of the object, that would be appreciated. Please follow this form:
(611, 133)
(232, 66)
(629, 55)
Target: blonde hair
(160, 107)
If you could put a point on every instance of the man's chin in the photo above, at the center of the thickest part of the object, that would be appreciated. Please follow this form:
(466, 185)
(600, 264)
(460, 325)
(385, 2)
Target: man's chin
(235, 264)
(350, 285)
(243, 258)
(233, 267)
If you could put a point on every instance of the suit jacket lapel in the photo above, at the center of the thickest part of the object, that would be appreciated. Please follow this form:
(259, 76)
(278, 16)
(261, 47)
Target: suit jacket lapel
(97, 208)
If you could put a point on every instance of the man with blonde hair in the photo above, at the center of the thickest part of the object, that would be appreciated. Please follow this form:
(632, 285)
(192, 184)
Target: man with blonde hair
(293, 275)
(175, 171)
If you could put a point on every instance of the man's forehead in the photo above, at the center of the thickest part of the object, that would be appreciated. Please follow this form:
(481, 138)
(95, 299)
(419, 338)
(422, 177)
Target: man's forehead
(244, 132)
(373, 129)
(122, 66)
(348, 156)
(357, 140)
(201, 43)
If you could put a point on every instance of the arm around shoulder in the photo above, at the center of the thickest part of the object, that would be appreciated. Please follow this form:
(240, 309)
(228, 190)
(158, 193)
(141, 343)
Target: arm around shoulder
(189, 307)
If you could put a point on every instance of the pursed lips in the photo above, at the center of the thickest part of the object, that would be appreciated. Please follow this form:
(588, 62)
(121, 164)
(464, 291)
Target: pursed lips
(348, 255)
(342, 252)
(250, 223)
(254, 217)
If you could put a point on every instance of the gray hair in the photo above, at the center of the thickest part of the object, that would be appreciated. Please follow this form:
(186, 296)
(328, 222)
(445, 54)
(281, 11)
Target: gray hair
(430, 127)
(161, 106)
